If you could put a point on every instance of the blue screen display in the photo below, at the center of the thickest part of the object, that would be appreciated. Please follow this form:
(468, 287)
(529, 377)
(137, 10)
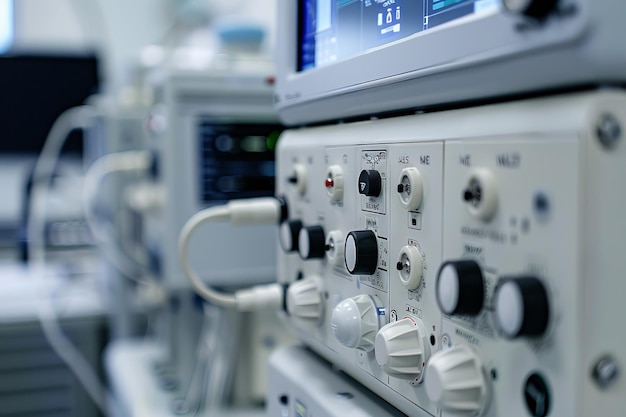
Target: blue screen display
(333, 30)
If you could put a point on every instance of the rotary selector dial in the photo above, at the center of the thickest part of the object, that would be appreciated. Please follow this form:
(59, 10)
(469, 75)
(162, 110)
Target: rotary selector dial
(334, 182)
(481, 194)
(455, 381)
(354, 322)
(334, 247)
(312, 242)
(298, 178)
(304, 299)
(410, 267)
(521, 307)
(410, 188)
(460, 288)
(361, 252)
(531, 8)
(289, 235)
(400, 349)
(370, 183)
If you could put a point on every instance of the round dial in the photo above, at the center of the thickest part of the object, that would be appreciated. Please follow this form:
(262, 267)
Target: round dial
(354, 322)
(289, 234)
(410, 267)
(481, 194)
(334, 182)
(298, 178)
(531, 8)
(334, 247)
(460, 288)
(312, 242)
(521, 307)
(361, 252)
(370, 183)
(410, 188)
(304, 299)
(400, 349)
(455, 381)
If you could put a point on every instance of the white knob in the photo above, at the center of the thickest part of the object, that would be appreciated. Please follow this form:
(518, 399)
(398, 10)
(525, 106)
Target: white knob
(334, 182)
(481, 194)
(334, 247)
(304, 299)
(298, 178)
(454, 380)
(400, 349)
(410, 267)
(355, 322)
(410, 188)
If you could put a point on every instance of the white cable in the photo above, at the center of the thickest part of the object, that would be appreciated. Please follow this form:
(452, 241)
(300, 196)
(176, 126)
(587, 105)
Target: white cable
(237, 212)
(70, 119)
(119, 162)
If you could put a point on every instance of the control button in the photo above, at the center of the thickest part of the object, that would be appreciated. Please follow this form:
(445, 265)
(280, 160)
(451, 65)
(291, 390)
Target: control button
(334, 182)
(354, 322)
(399, 349)
(370, 183)
(460, 288)
(312, 242)
(455, 381)
(537, 396)
(298, 178)
(334, 247)
(410, 267)
(481, 194)
(361, 252)
(521, 307)
(410, 188)
(304, 299)
(289, 235)
(531, 8)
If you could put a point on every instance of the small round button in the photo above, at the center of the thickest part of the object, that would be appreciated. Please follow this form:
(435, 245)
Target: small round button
(289, 235)
(334, 182)
(521, 307)
(312, 242)
(361, 252)
(460, 288)
(370, 183)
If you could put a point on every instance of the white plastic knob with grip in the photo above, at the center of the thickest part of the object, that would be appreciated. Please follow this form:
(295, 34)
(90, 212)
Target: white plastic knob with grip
(455, 381)
(304, 299)
(354, 322)
(400, 349)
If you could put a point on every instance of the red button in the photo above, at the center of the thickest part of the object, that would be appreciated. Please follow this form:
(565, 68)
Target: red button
(329, 182)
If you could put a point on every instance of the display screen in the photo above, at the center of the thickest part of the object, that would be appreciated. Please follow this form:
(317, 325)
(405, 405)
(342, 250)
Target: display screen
(333, 30)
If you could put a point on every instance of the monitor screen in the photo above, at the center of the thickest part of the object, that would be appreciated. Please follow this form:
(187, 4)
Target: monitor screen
(333, 30)
(35, 90)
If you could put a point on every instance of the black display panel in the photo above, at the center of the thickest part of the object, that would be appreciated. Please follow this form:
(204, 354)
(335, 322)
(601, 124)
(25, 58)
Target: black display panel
(236, 160)
(35, 90)
(333, 30)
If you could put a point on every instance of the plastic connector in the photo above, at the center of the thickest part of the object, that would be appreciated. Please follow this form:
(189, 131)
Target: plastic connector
(265, 210)
(262, 297)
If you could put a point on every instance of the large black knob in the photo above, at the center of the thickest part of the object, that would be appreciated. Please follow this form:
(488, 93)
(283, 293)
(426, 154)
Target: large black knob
(361, 252)
(289, 235)
(531, 8)
(521, 307)
(312, 242)
(370, 183)
(460, 288)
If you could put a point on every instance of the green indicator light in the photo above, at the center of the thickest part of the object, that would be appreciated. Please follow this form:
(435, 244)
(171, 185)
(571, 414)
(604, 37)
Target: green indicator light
(272, 139)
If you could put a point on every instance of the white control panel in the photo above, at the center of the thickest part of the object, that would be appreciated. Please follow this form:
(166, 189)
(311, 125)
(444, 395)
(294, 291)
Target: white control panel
(464, 263)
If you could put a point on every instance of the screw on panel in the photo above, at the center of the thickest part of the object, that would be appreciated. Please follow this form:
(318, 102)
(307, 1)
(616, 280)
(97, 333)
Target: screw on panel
(605, 372)
(608, 130)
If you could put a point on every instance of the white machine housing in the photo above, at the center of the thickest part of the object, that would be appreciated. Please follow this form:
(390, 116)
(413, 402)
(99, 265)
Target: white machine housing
(188, 101)
(549, 171)
(482, 56)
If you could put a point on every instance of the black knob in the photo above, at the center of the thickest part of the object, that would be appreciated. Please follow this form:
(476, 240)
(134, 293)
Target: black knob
(312, 242)
(361, 252)
(289, 234)
(521, 307)
(532, 8)
(370, 183)
(460, 288)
